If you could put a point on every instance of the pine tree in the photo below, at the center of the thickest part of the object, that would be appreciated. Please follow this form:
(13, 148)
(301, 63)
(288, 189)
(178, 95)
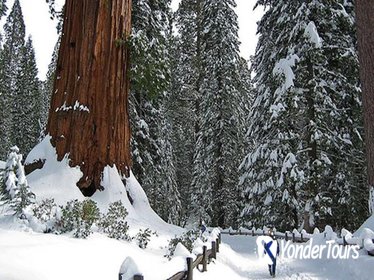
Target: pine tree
(184, 97)
(27, 101)
(150, 79)
(15, 189)
(10, 64)
(217, 147)
(305, 119)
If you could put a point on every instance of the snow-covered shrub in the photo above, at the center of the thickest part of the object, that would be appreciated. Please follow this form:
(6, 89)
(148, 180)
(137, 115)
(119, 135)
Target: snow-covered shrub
(47, 214)
(14, 189)
(187, 240)
(143, 237)
(113, 223)
(79, 216)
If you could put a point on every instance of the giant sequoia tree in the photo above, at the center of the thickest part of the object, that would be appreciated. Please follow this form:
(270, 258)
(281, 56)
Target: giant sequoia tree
(88, 117)
(365, 31)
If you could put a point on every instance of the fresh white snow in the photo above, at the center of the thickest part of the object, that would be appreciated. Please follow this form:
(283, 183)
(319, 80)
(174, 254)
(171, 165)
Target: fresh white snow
(312, 33)
(29, 255)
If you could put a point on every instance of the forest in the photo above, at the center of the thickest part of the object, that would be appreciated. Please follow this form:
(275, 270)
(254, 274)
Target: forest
(279, 140)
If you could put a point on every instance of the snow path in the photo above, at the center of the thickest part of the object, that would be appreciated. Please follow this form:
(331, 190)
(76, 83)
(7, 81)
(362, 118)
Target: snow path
(238, 260)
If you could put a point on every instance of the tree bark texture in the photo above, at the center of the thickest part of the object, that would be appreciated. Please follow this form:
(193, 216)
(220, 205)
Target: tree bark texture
(365, 32)
(88, 118)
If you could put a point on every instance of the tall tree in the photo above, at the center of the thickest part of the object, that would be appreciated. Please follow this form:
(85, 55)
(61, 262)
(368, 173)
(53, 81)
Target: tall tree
(365, 27)
(10, 64)
(153, 160)
(221, 126)
(27, 101)
(185, 96)
(306, 72)
(88, 117)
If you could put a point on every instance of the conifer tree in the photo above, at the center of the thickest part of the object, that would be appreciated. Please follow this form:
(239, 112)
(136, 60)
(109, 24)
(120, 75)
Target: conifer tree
(305, 120)
(221, 127)
(184, 96)
(150, 81)
(10, 65)
(27, 101)
(15, 189)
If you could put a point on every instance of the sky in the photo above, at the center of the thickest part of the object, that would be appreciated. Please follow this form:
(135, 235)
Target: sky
(44, 35)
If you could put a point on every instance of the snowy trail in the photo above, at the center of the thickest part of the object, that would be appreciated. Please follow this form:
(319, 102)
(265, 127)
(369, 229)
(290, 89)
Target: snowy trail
(238, 260)
(247, 263)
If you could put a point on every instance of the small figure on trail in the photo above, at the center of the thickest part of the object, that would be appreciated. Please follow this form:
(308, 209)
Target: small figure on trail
(269, 250)
(202, 227)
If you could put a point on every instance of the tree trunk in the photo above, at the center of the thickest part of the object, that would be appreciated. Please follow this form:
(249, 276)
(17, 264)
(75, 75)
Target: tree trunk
(365, 32)
(88, 118)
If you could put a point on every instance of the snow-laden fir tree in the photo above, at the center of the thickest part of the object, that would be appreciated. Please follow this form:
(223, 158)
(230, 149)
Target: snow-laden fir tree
(10, 65)
(15, 190)
(305, 122)
(218, 146)
(185, 96)
(27, 102)
(150, 79)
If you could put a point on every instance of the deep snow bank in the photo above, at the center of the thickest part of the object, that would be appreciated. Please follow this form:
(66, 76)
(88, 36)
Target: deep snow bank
(58, 180)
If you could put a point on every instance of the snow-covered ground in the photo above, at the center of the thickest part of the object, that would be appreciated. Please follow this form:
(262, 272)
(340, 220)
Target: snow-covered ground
(28, 254)
(238, 260)
(31, 256)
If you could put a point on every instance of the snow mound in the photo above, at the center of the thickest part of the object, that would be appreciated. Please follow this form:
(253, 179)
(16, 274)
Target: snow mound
(369, 223)
(182, 251)
(129, 269)
(2, 164)
(58, 180)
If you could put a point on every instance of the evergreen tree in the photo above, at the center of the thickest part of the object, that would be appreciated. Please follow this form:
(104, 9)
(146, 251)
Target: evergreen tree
(150, 79)
(10, 65)
(221, 127)
(184, 97)
(27, 102)
(15, 189)
(305, 120)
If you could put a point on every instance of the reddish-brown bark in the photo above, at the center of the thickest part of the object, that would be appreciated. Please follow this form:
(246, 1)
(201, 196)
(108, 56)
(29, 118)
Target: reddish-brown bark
(92, 70)
(365, 32)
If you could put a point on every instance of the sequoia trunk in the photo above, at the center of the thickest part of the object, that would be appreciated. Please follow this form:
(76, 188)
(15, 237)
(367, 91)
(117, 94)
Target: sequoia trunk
(365, 30)
(88, 118)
